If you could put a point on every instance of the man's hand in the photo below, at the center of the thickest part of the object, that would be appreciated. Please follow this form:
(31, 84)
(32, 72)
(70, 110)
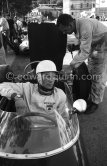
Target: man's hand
(15, 96)
(77, 65)
(67, 68)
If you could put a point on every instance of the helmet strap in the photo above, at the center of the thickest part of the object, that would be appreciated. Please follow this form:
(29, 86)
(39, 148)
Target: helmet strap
(44, 91)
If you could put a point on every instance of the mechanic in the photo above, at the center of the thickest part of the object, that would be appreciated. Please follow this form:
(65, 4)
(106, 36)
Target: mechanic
(92, 36)
(43, 96)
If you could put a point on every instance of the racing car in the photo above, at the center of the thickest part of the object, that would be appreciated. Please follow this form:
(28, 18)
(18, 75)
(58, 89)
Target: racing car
(36, 139)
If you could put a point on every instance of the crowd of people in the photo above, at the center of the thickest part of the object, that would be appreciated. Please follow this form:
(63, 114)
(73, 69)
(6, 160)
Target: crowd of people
(101, 18)
(13, 30)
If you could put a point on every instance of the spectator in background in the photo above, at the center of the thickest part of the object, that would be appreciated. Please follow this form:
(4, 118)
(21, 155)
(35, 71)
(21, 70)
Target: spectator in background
(4, 28)
(18, 27)
(2, 51)
(24, 27)
(13, 33)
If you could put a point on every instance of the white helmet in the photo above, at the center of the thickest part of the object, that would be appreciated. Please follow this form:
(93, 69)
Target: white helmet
(46, 66)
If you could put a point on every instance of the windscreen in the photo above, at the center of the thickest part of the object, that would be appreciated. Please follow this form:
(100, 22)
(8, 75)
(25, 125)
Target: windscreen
(35, 133)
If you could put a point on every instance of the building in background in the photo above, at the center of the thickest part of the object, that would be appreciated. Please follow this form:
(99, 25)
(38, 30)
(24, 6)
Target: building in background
(75, 7)
(101, 8)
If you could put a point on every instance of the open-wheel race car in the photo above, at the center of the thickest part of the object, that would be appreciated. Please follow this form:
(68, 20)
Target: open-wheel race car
(36, 139)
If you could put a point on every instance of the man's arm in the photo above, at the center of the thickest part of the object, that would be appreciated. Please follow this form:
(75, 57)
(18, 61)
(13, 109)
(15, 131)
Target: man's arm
(7, 89)
(85, 45)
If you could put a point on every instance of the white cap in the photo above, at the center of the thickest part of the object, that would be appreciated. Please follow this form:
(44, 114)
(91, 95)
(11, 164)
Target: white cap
(46, 66)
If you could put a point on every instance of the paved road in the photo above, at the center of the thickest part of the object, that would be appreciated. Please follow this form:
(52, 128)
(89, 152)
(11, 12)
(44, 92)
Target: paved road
(93, 127)
(94, 130)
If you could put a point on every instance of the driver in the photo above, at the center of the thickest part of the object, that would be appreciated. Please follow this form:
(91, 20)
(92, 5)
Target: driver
(43, 96)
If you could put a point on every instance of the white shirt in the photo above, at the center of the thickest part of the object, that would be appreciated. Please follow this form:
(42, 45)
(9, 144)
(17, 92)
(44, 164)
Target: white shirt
(34, 100)
(3, 24)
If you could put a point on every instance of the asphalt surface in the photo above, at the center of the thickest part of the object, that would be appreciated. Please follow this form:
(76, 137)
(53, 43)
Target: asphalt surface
(93, 127)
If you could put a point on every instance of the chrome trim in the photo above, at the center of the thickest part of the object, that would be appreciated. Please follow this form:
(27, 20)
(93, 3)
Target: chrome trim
(42, 155)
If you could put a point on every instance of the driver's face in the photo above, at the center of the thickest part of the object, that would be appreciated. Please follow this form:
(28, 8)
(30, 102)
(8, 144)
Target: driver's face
(48, 79)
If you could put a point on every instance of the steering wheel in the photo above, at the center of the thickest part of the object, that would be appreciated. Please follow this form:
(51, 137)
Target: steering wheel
(28, 114)
(29, 65)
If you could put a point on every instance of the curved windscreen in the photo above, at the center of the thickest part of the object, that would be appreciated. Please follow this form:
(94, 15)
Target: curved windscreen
(35, 134)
